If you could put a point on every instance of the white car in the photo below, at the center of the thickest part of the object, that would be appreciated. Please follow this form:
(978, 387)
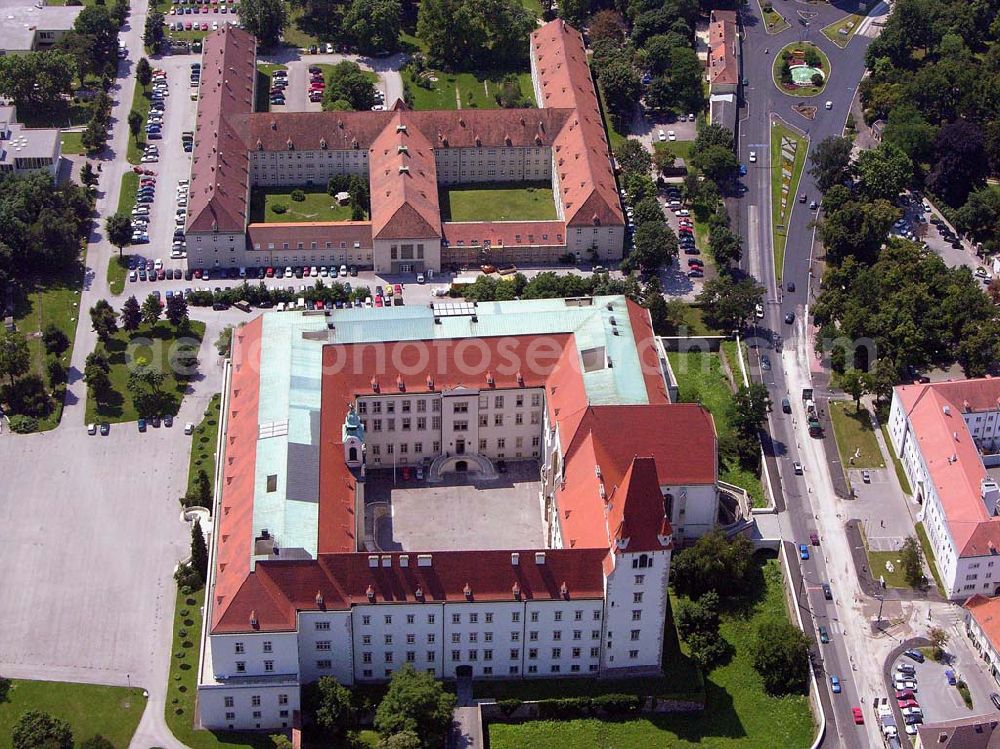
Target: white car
(343, 271)
(829, 105)
(901, 684)
(91, 428)
(440, 291)
(661, 135)
(753, 157)
(329, 48)
(157, 264)
(420, 278)
(759, 311)
(671, 135)
(912, 711)
(189, 428)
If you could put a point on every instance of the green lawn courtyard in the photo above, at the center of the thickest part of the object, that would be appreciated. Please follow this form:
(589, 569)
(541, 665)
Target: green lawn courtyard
(157, 347)
(497, 201)
(463, 90)
(56, 303)
(855, 436)
(117, 270)
(112, 712)
(318, 205)
(788, 156)
(700, 379)
(203, 442)
(738, 714)
(72, 142)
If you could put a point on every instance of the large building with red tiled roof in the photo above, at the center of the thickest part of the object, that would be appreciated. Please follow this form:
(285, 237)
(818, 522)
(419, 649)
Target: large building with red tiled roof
(947, 435)
(328, 416)
(406, 156)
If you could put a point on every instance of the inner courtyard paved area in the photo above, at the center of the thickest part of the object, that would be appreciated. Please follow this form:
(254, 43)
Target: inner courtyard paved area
(459, 512)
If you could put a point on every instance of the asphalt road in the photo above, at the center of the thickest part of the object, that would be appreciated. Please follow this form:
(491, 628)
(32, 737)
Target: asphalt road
(788, 440)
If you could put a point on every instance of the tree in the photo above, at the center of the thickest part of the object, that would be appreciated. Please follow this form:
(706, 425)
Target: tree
(55, 341)
(466, 34)
(698, 626)
(103, 319)
(713, 563)
(119, 230)
(143, 72)
(962, 164)
(938, 638)
(152, 34)
(151, 310)
(95, 136)
(856, 229)
(620, 83)
(831, 162)
(224, 343)
(884, 171)
(908, 129)
(882, 378)
(716, 162)
(177, 310)
(97, 379)
(38, 730)
(730, 303)
(648, 210)
(135, 124)
(749, 408)
(726, 247)
(37, 78)
(417, 702)
(663, 158)
(655, 246)
(713, 135)
(199, 550)
(347, 81)
(15, 359)
(88, 177)
(609, 25)
(265, 19)
(131, 314)
(374, 24)
(911, 558)
(781, 657)
(633, 157)
(97, 742)
(96, 22)
(203, 488)
(329, 703)
(144, 384)
(853, 383)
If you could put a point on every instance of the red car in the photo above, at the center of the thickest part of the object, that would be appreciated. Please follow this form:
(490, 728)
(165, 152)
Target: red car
(197, 273)
(398, 289)
(904, 694)
(270, 273)
(378, 301)
(907, 703)
(406, 473)
(859, 717)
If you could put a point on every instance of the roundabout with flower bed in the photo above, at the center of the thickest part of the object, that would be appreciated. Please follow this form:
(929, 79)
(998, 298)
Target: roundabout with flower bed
(801, 69)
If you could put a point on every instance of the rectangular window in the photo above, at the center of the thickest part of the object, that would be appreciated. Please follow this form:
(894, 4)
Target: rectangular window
(410, 618)
(387, 656)
(323, 645)
(637, 598)
(431, 655)
(324, 664)
(267, 646)
(636, 615)
(635, 634)
(557, 634)
(228, 702)
(255, 700)
(456, 655)
(388, 639)
(241, 667)
(456, 637)
(558, 616)
(534, 616)
(239, 647)
(268, 666)
(557, 652)
(411, 639)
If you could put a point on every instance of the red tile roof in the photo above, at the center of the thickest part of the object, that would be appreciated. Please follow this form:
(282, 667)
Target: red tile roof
(504, 233)
(234, 525)
(306, 232)
(583, 163)
(276, 590)
(952, 457)
(220, 176)
(722, 40)
(403, 175)
(986, 612)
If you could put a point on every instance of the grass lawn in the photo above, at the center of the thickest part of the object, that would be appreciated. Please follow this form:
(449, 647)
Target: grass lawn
(126, 198)
(738, 714)
(773, 20)
(693, 319)
(182, 689)
(498, 201)
(298, 30)
(925, 546)
(780, 214)
(855, 436)
(534, 6)
(119, 406)
(112, 712)
(117, 270)
(615, 138)
(841, 32)
(57, 303)
(318, 206)
(72, 143)
(141, 102)
(896, 463)
(464, 90)
(800, 91)
(203, 442)
(700, 379)
(877, 564)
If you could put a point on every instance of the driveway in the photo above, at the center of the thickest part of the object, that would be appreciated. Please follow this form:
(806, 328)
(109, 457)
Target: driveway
(387, 68)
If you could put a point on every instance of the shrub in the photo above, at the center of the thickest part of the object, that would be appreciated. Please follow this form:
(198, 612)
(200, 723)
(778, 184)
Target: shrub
(817, 79)
(56, 342)
(279, 208)
(23, 424)
(616, 705)
(297, 195)
(508, 707)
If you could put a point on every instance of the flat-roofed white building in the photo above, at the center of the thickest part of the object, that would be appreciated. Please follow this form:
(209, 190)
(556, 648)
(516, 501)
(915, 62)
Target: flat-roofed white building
(25, 150)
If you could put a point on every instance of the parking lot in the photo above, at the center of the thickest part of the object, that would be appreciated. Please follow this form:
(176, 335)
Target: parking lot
(920, 223)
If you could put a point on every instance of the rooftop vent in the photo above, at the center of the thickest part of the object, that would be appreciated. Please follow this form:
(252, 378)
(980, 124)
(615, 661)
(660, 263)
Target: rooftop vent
(516, 590)
(468, 592)
(319, 599)
(430, 382)
(374, 384)
(291, 146)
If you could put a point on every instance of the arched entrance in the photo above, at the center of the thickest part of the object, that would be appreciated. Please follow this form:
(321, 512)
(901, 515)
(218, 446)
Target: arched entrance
(461, 466)
(352, 455)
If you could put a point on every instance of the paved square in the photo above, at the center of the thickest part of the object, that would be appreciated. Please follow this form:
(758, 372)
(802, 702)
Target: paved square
(459, 512)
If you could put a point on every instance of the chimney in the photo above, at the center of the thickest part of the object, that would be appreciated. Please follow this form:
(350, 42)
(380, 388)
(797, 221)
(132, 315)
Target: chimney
(564, 590)
(468, 592)
(516, 590)
(254, 624)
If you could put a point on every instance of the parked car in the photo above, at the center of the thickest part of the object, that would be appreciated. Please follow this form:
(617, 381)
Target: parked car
(824, 636)
(835, 684)
(859, 717)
